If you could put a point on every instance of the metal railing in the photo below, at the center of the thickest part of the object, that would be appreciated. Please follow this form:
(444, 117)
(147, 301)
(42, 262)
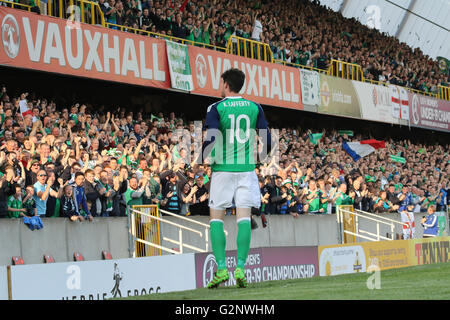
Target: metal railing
(76, 11)
(301, 66)
(16, 5)
(249, 48)
(444, 92)
(138, 216)
(163, 36)
(356, 215)
(345, 70)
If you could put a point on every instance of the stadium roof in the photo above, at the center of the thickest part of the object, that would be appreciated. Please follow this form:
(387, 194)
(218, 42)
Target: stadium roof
(418, 23)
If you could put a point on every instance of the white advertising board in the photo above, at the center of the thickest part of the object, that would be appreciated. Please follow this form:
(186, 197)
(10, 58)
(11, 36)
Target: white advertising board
(103, 279)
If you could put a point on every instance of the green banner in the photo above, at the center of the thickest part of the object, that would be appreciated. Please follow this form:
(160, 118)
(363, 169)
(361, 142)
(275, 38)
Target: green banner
(444, 64)
(179, 66)
(315, 137)
(338, 97)
(398, 159)
(347, 132)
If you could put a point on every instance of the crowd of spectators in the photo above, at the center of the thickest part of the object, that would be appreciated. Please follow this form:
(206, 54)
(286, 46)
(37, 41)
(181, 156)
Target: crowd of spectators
(297, 31)
(301, 32)
(82, 163)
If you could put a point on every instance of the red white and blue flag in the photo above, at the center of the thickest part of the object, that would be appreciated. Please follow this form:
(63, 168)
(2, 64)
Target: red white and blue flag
(358, 150)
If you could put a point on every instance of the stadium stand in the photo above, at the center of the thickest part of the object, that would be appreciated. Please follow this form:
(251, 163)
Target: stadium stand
(268, 30)
(117, 154)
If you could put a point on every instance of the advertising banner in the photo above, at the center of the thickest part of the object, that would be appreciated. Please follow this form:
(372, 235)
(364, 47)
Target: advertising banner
(38, 42)
(399, 102)
(265, 83)
(103, 279)
(428, 251)
(179, 66)
(310, 82)
(428, 112)
(263, 264)
(376, 102)
(338, 97)
(352, 258)
(3, 283)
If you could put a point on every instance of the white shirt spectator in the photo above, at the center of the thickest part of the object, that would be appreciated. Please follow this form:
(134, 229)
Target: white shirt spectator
(257, 29)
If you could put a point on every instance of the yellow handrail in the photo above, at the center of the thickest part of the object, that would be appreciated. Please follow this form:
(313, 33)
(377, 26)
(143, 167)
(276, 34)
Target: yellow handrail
(249, 48)
(345, 70)
(444, 92)
(296, 65)
(16, 4)
(164, 36)
(83, 11)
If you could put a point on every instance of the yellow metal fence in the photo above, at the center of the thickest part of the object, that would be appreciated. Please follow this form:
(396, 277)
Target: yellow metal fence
(146, 229)
(249, 48)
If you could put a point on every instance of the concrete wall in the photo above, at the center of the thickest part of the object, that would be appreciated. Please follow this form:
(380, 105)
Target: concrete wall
(61, 237)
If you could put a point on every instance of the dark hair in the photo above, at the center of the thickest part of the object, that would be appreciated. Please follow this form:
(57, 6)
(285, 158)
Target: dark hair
(79, 174)
(234, 78)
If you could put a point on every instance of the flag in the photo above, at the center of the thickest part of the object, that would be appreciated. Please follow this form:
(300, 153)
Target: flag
(152, 118)
(23, 104)
(398, 159)
(347, 132)
(183, 6)
(444, 65)
(315, 137)
(358, 150)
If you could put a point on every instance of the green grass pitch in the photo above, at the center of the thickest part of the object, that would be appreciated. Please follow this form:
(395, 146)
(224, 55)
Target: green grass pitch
(427, 282)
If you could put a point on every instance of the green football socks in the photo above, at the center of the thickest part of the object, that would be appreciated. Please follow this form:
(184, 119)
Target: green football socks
(243, 241)
(218, 242)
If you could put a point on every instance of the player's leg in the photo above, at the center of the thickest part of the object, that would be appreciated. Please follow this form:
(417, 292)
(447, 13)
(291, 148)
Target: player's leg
(217, 236)
(243, 239)
(220, 199)
(246, 196)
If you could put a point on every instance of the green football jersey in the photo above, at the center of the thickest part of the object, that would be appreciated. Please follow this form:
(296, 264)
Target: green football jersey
(236, 120)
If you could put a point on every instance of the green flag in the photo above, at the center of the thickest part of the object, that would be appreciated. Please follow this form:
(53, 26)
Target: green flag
(422, 150)
(315, 137)
(398, 159)
(347, 132)
(444, 65)
(152, 118)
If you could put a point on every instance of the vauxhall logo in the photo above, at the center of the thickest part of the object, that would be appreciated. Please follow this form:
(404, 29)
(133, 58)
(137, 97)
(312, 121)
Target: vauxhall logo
(10, 36)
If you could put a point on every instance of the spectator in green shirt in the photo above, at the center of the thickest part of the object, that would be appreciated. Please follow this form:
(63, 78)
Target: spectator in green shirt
(15, 205)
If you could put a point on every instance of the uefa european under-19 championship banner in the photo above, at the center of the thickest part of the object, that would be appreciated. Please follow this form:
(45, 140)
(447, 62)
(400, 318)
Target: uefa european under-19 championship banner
(39, 42)
(265, 83)
(263, 264)
(310, 82)
(103, 279)
(430, 113)
(179, 66)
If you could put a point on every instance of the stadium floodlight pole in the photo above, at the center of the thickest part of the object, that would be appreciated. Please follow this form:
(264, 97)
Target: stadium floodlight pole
(231, 124)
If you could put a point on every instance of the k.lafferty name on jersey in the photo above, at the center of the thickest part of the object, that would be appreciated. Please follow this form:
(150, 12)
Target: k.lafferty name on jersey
(260, 81)
(239, 103)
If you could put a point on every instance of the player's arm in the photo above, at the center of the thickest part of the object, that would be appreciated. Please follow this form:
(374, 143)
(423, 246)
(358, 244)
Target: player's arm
(212, 126)
(263, 129)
